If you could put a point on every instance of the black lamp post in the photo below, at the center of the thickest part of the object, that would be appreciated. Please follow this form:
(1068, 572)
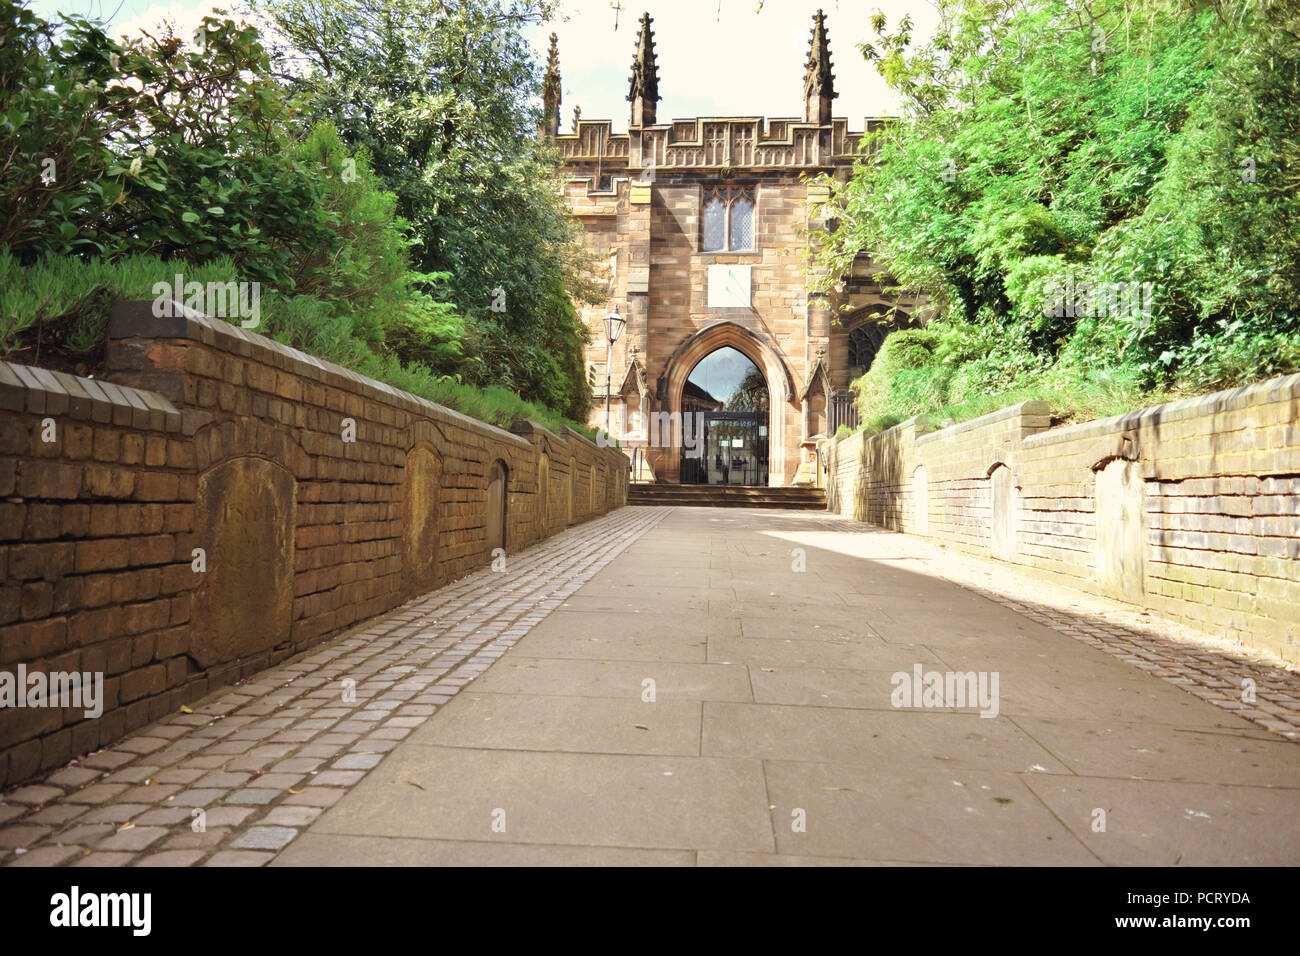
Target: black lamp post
(613, 328)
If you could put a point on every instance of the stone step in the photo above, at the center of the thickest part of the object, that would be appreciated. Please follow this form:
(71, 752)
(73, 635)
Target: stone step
(715, 496)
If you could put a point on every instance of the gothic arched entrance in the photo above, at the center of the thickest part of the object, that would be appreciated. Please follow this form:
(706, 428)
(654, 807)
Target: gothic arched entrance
(725, 415)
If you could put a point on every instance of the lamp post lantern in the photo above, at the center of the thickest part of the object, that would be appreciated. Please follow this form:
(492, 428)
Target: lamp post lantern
(613, 328)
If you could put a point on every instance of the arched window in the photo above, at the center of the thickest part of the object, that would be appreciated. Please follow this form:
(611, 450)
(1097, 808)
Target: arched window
(728, 220)
(865, 342)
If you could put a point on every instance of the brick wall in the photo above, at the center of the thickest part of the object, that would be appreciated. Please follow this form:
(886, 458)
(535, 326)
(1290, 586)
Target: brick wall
(1191, 509)
(220, 502)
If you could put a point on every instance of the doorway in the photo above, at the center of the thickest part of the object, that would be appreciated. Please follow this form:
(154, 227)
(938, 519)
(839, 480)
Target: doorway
(725, 421)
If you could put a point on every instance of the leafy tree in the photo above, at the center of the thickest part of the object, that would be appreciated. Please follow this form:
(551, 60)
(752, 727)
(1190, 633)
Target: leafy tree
(1046, 144)
(181, 155)
(438, 95)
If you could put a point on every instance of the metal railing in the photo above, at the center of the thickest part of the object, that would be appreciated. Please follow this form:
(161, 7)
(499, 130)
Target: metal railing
(843, 411)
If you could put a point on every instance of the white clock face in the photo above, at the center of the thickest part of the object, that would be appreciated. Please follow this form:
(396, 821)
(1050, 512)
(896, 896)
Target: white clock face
(729, 287)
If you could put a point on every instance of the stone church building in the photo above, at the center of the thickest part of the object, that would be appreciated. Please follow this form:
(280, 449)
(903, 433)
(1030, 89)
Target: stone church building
(727, 369)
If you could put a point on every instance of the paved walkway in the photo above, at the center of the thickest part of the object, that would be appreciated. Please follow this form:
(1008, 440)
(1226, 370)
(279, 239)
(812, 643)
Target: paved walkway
(663, 686)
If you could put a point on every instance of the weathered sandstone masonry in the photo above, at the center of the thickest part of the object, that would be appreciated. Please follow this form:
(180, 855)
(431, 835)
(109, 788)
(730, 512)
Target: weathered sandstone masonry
(220, 502)
(1191, 509)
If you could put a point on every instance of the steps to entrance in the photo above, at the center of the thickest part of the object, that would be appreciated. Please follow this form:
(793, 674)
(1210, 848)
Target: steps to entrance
(727, 496)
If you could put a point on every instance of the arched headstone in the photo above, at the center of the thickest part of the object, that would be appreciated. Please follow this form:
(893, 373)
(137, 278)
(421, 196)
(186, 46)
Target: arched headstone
(920, 501)
(421, 483)
(573, 470)
(543, 493)
(1002, 497)
(496, 505)
(244, 519)
(1121, 529)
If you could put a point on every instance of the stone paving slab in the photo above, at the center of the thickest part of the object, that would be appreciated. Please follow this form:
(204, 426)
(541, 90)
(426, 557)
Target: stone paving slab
(619, 679)
(723, 858)
(563, 723)
(581, 635)
(895, 811)
(1148, 750)
(871, 738)
(1205, 665)
(561, 799)
(863, 652)
(327, 849)
(1157, 823)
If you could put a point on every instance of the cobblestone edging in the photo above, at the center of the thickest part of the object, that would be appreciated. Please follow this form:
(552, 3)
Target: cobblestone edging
(264, 759)
(1214, 672)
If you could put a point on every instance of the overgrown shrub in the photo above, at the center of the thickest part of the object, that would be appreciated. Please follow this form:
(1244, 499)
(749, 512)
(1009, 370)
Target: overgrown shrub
(1119, 145)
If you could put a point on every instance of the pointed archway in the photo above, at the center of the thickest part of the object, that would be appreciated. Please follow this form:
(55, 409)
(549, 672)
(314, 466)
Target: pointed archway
(725, 421)
(783, 416)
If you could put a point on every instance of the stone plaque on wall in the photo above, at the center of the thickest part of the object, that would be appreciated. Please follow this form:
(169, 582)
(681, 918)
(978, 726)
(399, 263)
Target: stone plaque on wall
(244, 519)
(729, 287)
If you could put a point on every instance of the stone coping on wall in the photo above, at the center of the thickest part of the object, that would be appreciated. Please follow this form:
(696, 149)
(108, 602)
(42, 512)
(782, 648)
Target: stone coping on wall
(44, 392)
(1286, 388)
(136, 319)
(1030, 409)
(913, 422)
(526, 426)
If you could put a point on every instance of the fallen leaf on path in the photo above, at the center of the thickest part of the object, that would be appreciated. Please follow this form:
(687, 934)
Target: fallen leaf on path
(291, 790)
(854, 789)
(415, 785)
(186, 710)
(768, 670)
(642, 727)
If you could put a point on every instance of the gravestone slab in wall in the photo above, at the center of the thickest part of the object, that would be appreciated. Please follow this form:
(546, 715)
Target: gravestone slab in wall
(496, 507)
(1121, 530)
(420, 527)
(245, 520)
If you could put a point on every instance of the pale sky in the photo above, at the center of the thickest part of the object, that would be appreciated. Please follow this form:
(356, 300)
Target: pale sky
(720, 57)
(716, 57)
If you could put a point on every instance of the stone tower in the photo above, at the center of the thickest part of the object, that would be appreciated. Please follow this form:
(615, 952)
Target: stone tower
(706, 256)
(644, 92)
(551, 93)
(818, 83)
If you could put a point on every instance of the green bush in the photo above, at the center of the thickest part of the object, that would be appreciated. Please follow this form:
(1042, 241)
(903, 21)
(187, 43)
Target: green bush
(1134, 142)
(130, 162)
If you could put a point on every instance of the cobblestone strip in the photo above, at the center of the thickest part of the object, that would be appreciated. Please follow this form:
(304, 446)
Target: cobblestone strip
(1201, 664)
(258, 762)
